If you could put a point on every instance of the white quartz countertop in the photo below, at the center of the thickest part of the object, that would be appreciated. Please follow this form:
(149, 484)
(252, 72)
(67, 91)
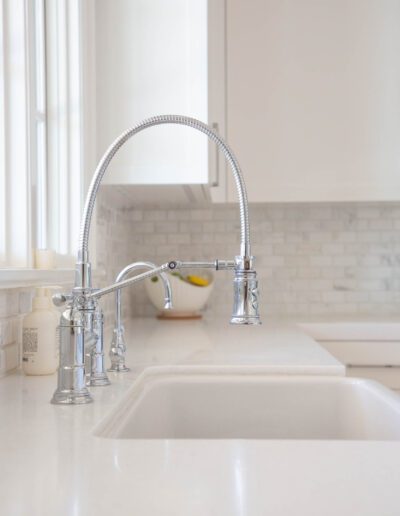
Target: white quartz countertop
(51, 464)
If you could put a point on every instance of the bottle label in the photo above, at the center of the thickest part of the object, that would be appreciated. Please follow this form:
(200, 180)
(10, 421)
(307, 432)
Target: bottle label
(30, 340)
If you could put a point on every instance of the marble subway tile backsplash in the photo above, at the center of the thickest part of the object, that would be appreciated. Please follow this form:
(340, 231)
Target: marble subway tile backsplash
(311, 259)
(114, 250)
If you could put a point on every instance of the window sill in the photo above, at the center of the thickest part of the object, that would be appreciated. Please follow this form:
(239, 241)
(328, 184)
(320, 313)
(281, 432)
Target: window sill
(20, 278)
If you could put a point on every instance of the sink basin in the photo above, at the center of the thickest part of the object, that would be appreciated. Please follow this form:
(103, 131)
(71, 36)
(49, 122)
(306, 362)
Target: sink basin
(167, 403)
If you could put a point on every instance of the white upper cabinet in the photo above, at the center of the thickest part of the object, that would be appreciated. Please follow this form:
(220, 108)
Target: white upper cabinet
(152, 59)
(306, 92)
(313, 98)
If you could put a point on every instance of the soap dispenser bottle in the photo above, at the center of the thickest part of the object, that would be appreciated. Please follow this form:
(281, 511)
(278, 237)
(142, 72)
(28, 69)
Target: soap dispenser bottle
(39, 336)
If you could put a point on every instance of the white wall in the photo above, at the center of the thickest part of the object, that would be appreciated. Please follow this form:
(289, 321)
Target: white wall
(311, 258)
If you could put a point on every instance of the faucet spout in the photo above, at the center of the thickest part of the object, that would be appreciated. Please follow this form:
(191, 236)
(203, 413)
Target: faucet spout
(118, 347)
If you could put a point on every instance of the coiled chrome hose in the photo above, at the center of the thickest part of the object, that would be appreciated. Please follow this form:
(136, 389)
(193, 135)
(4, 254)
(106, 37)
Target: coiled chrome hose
(124, 137)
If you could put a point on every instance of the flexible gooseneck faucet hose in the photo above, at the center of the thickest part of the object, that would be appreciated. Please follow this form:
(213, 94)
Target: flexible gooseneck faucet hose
(245, 250)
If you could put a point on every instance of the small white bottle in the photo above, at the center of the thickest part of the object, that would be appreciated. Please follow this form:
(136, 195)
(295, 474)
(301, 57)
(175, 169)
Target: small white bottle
(39, 336)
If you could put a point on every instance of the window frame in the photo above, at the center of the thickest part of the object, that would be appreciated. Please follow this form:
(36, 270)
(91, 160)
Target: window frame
(53, 198)
(15, 194)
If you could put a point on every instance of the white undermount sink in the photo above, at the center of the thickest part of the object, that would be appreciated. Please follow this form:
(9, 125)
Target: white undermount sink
(167, 403)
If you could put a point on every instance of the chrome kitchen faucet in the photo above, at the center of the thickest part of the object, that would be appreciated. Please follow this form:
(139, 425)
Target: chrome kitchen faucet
(81, 324)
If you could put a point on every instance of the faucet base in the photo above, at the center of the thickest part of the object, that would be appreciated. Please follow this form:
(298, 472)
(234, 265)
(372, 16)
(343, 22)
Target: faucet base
(98, 380)
(118, 368)
(71, 397)
(250, 321)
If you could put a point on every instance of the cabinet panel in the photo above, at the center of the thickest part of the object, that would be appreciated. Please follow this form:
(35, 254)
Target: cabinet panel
(313, 98)
(152, 59)
(364, 353)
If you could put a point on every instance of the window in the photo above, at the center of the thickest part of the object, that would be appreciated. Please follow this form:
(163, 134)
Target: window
(41, 129)
(14, 198)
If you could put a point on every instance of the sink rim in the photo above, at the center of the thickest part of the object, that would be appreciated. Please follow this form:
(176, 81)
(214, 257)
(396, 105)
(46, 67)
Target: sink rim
(148, 376)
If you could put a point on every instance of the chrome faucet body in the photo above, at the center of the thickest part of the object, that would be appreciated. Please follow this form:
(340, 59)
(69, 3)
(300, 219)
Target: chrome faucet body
(78, 330)
(118, 347)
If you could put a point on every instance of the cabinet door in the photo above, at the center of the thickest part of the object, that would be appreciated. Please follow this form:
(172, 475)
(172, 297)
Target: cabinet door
(313, 98)
(152, 59)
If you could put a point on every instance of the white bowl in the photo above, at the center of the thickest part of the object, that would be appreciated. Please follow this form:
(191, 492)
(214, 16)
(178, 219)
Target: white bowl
(187, 299)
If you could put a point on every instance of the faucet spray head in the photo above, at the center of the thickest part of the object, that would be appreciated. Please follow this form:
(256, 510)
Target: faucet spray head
(245, 292)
